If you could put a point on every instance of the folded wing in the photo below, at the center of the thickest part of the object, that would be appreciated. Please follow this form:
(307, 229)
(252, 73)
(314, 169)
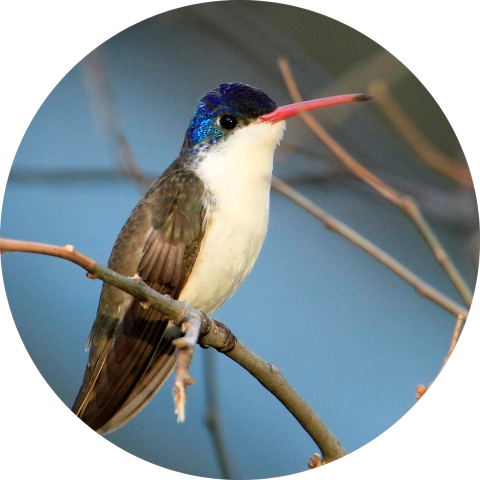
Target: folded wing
(131, 351)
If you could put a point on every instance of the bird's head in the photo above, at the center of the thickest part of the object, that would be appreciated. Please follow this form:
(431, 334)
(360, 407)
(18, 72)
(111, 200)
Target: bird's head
(232, 107)
(223, 112)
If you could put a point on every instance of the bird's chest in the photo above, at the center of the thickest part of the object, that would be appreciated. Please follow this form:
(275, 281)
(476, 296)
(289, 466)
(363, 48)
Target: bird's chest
(233, 238)
(237, 178)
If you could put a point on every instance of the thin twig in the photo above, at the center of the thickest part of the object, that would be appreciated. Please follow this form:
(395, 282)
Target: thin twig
(315, 461)
(212, 334)
(456, 335)
(406, 204)
(135, 286)
(331, 223)
(433, 157)
(104, 107)
(212, 415)
(272, 379)
(67, 252)
(421, 389)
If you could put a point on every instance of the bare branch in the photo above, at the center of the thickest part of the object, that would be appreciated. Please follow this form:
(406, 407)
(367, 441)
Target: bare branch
(330, 222)
(315, 461)
(272, 379)
(213, 417)
(104, 107)
(211, 333)
(422, 389)
(434, 158)
(406, 204)
(456, 335)
(67, 252)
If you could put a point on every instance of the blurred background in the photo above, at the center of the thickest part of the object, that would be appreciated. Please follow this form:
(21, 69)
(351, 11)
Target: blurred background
(350, 336)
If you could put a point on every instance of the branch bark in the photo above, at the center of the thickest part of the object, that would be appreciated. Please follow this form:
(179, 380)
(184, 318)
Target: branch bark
(431, 156)
(331, 223)
(422, 389)
(404, 203)
(213, 334)
(212, 415)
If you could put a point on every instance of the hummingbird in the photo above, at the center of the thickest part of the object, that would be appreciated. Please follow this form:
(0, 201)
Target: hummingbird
(195, 235)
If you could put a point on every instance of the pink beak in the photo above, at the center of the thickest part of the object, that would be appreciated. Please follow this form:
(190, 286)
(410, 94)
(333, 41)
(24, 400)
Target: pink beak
(287, 111)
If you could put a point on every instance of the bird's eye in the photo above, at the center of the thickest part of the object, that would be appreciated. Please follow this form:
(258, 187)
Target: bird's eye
(228, 122)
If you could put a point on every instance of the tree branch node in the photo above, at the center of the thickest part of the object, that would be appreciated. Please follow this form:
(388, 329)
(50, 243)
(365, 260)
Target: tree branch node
(230, 340)
(315, 461)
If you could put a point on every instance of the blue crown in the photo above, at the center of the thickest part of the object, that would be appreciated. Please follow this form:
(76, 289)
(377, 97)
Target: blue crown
(243, 101)
(246, 100)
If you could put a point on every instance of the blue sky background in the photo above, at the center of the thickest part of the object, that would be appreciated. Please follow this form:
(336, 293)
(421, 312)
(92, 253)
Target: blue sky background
(351, 337)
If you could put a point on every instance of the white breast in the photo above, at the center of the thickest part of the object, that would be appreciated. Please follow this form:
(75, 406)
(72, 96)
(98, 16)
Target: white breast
(237, 175)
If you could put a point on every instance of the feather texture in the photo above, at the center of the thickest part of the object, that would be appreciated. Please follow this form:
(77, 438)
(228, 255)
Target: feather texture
(131, 353)
(195, 236)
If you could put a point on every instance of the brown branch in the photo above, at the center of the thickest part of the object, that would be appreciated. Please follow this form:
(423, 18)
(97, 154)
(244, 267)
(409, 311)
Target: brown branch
(104, 108)
(429, 154)
(315, 461)
(213, 417)
(456, 335)
(211, 333)
(405, 204)
(331, 223)
(67, 252)
(421, 389)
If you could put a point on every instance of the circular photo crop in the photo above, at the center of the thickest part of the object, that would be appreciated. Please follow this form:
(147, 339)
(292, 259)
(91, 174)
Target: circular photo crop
(279, 230)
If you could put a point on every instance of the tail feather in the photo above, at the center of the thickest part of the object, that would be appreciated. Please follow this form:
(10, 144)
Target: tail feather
(129, 371)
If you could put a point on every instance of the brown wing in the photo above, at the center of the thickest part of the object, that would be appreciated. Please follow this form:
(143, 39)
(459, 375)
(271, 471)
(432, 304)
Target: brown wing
(131, 353)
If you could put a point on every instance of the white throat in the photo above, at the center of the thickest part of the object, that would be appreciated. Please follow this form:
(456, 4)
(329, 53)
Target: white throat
(237, 174)
(243, 162)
